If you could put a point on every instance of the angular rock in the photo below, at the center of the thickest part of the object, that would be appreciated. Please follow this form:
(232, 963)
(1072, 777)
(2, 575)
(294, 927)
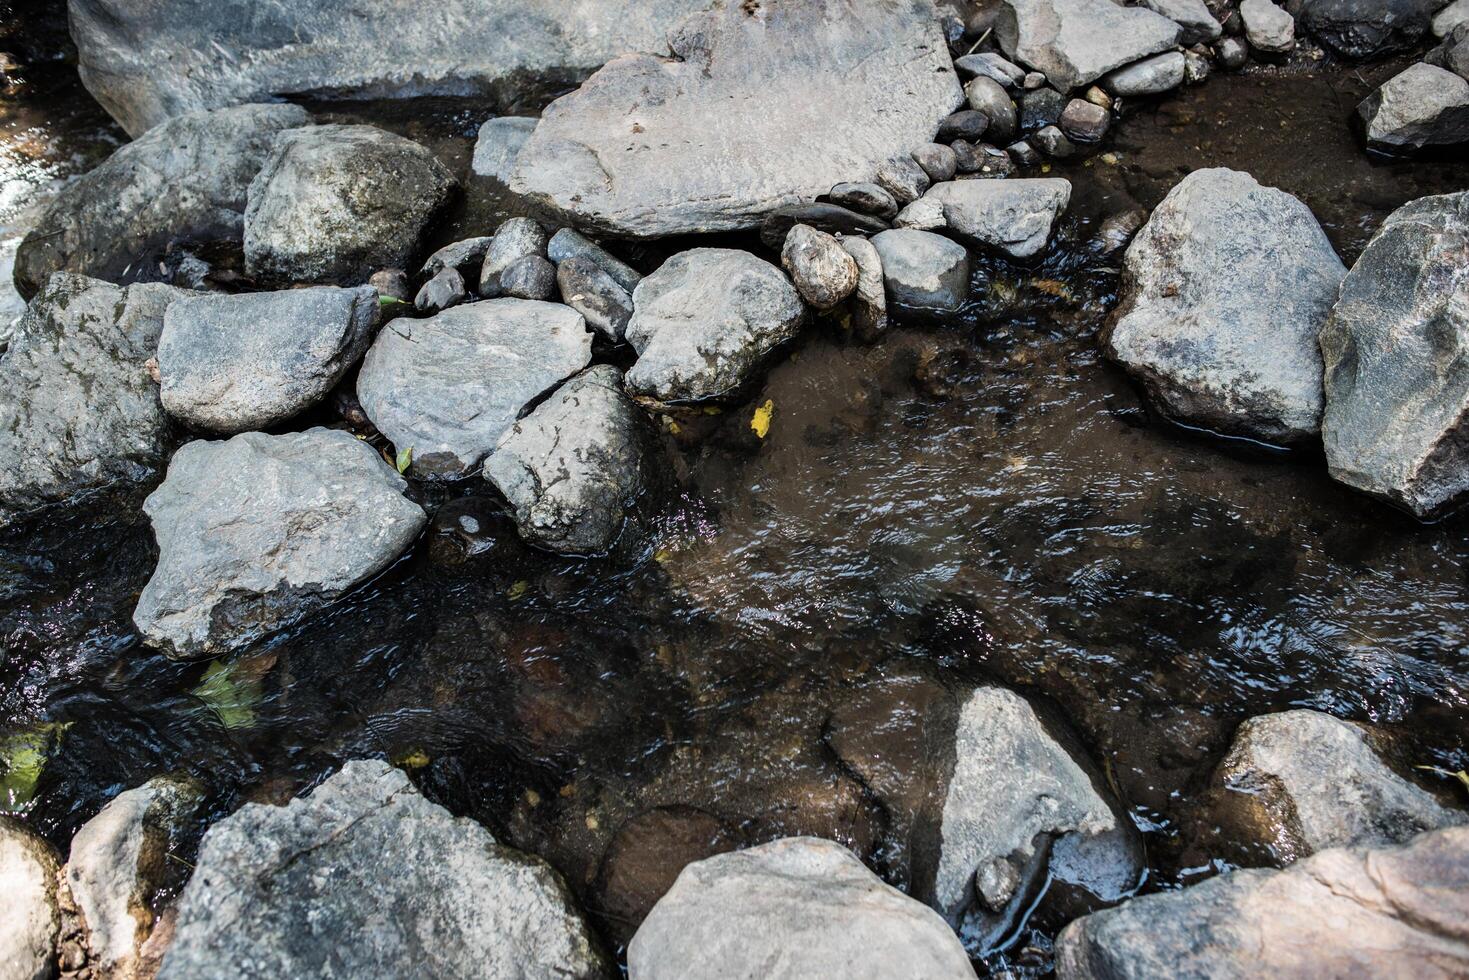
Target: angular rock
(514, 240)
(529, 277)
(32, 921)
(991, 65)
(1451, 17)
(923, 273)
(1451, 55)
(183, 181)
(1421, 107)
(987, 96)
(1268, 28)
(1196, 68)
(566, 244)
(1053, 143)
(1077, 41)
(1040, 108)
(1151, 76)
(1084, 121)
(924, 214)
(257, 531)
(234, 363)
(1397, 392)
(464, 256)
(823, 272)
(790, 909)
(447, 387)
(870, 199)
(365, 856)
(1196, 23)
(967, 157)
(869, 301)
(334, 203)
(1367, 28)
(706, 321)
(1024, 154)
(938, 161)
(1224, 292)
(498, 144)
(903, 178)
(587, 288)
(1014, 216)
(444, 290)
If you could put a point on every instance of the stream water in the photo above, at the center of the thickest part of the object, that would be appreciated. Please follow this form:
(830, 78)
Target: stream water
(983, 499)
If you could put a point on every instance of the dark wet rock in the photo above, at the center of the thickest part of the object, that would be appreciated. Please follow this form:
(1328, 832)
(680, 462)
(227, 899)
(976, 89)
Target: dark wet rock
(498, 144)
(823, 272)
(447, 387)
(867, 198)
(1053, 143)
(1077, 41)
(1453, 53)
(78, 409)
(1398, 911)
(966, 124)
(334, 203)
(924, 214)
(1196, 68)
(1367, 28)
(994, 162)
(967, 158)
(869, 300)
(574, 467)
(1084, 121)
(1196, 23)
(1041, 107)
(391, 283)
(988, 96)
(1117, 229)
(1151, 76)
(938, 161)
(830, 218)
(1024, 154)
(28, 869)
(1233, 53)
(923, 273)
(903, 178)
(529, 277)
(256, 532)
(463, 256)
(444, 290)
(514, 240)
(616, 155)
(587, 288)
(1422, 106)
(1224, 292)
(991, 65)
(1397, 392)
(1014, 216)
(233, 363)
(183, 181)
(425, 893)
(567, 244)
(790, 908)
(1268, 28)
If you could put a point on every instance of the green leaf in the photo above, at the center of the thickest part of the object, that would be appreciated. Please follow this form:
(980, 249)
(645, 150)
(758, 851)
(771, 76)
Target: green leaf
(1461, 775)
(22, 758)
(231, 693)
(404, 459)
(390, 300)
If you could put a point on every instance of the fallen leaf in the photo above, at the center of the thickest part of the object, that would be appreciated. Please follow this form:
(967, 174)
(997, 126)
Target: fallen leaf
(760, 421)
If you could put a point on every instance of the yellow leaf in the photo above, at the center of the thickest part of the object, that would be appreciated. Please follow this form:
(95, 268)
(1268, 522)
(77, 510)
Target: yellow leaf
(415, 759)
(760, 421)
(517, 589)
(404, 460)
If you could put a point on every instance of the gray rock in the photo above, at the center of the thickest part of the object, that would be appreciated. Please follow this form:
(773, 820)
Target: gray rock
(1076, 41)
(233, 363)
(1040, 108)
(938, 161)
(420, 892)
(257, 531)
(1446, 20)
(924, 214)
(567, 243)
(987, 96)
(1053, 143)
(711, 140)
(529, 277)
(587, 288)
(498, 144)
(823, 272)
(1233, 53)
(1367, 28)
(1452, 55)
(444, 290)
(514, 240)
(1224, 292)
(1151, 76)
(830, 218)
(966, 124)
(1268, 28)
(1196, 68)
(923, 273)
(447, 387)
(1397, 391)
(869, 301)
(903, 178)
(991, 65)
(1422, 106)
(1014, 216)
(392, 283)
(78, 410)
(790, 909)
(1346, 912)
(464, 256)
(334, 203)
(1033, 80)
(183, 181)
(1084, 121)
(967, 157)
(574, 468)
(706, 321)
(1024, 154)
(867, 198)
(28, 869)
(1196, 24)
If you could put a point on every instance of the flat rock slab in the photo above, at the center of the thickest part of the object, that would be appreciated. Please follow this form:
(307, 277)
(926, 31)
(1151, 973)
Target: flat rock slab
(257, 531)
(28, 868)
(1421, 107)
(1014, 215)
(1224, 291)
(715, 137)
(449, 386)
(364, 877)
(1073, 42)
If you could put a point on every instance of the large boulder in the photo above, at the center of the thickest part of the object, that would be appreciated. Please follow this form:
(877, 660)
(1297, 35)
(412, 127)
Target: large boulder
(184, 180)
(336, 203)
(705, 321)
(1422, 107)
(257, 531)
(761, 105)
(793, 908)
(1367, 28)
(1397, 388)
(1014, 216)
(1346, 912)
(78, 410)
(365, 877)
(448, 387)
(1073, 42)
(1224, 291)
(32, 919)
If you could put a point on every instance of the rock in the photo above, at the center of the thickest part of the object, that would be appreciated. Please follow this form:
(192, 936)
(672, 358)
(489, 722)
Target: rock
(1367, 28)
(1196, 68)
(364, 855)
(1117, 229)
(1224, 292)
(1233, 53)
(447, 387)
(464, 256)
(993, 161)
(923, 273)
(987, 96)
(1024, 154)
(1053, 143)
(1076, 41)
(938, 161)
(823, 272)
(514, 240)
(1084, 121)
(566, 244)
(1365, 912)
(529, 277)
(183, 181)
(1040, 108)
(991, 65)
(903, 178)
(1098, 96)
(1196, 24)
(706, 321)
(710, 139)
(444, 290)
(1451, 55)
(392, 283)
(967, 158)
(1420, 107)
(790, 909)
(830, 218)
(867, 198)
(1014, 216)
(257, 531)
(333, 203)
(78, 409)
(234, 363)
(1268, 28)
(575, 466)
(1396, 390)
(1449, 18)
(1033, 80)
(119, 861)
(1151, 76)
(587, 288)
(967, 124)
(32, 923)
(924, 214)
(869, 301)
(498, 145)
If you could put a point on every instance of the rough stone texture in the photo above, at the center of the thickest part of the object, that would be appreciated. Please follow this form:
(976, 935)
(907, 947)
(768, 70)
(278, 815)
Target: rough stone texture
(1451, 55)
(78, 410)
(529, 277)
(1367, 28)
(498, 144)
(1397, 391)
(903, 178)
(937, 160)
(444, 290)
(923, 273)
(1151, 76)
(869, 301)
(587, 288)
(1450, 17)
(568, 244)
(185, 180)
(448, 386)
(1346, 912)
(464, 256)
(711, 140)
(924, 214)
(249, 361)
(573, 468)
(1084, 121)
(790, 909)
(1196, 23)
(257, 531)
(868, 198)
(830, 218)
(32, 921)
(1014, 216)
(1076, 41)
(364, 877)
(514, 240)
(335, 203)
(1268, 28)
(706, 321)
(991, 65)
(1224, 292)
(1422, 106)
(822, 270)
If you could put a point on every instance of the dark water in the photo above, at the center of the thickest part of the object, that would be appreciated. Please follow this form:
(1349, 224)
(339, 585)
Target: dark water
(981, 500)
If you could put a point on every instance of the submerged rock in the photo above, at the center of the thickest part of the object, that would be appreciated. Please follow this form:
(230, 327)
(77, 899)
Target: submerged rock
(924, 274)
(498, 145)
(1224, 292)
(365, 858)
(822, 270)
(711, 139)
(1014, 216)
(1367, 28)
(1077, 41)
(32, 921)
(257, 531)
(1423, 106)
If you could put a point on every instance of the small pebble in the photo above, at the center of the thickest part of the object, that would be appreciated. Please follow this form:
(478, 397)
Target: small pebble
(1033, 80)
(444, 290)
(1052, 142)
(517, 238)
(903, 179)
(587, 288)
(568, 243)
(823, 272)
(529, 277)
(1024, 154)
(1195, 68)
(937, 160)
(966, 158)
(1097, 95)
(392, 283)
(989, 97)
(1232, 53)
(1041, 107)
(1084, 121)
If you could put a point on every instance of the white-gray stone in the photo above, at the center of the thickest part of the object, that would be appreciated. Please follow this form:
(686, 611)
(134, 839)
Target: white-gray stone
(869, 301)
(32, 920)
(567, 244)
(1421, 106)
(923, 273)
(1151, 76)
(991, 65)
(465, 256)
(1450, 17)
(1192, 16)
(1077, 41)
(587, 288)
(924, 214)
(514, 240)
(1268, 28)
(1014, 216)
(823, 272)
(498, 144)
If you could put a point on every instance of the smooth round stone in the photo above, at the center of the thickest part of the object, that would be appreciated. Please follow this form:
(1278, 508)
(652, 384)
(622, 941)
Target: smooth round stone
(937, 160)
(966, 124)
(866, 197)
(529, 277)
(988, 96)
